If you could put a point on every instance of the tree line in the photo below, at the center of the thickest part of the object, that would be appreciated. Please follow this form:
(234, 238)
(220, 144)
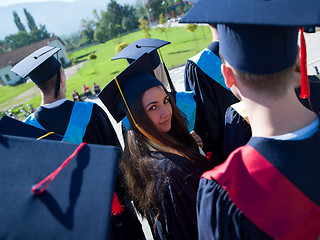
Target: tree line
(24, 37)
(116, 20)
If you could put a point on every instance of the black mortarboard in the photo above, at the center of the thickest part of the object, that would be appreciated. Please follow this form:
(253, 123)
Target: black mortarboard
(40, 65)
(257, 36)
(145, 45)
(11, 126)
(77, 204)
(133, 81)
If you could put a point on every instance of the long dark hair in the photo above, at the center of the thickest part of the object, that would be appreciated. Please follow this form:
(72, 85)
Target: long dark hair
(143, 177)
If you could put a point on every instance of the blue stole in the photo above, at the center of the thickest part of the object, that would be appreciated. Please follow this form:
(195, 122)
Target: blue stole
(187, 105)
(210, 64)
(79, 120)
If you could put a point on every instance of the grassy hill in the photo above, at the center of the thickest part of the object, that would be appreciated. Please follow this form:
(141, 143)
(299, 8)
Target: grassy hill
(102, 70)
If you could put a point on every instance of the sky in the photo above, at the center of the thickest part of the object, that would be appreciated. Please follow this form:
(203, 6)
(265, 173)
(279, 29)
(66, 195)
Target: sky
(61, 17)
(4, 3)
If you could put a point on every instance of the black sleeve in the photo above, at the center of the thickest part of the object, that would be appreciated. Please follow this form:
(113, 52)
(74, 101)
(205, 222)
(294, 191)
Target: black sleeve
(237, 132)
(178, 202)
(212, 101)
(100, 129)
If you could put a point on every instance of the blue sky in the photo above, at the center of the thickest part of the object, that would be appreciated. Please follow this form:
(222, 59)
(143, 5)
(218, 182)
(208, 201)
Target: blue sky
(4, 3)
(61, 17)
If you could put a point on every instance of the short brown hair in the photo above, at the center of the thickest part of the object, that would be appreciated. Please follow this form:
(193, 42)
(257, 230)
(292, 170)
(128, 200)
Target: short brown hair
(48, 87)
(274, 84)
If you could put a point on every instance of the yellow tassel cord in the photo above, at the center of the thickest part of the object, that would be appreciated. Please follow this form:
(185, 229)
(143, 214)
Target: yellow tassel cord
(45, 135)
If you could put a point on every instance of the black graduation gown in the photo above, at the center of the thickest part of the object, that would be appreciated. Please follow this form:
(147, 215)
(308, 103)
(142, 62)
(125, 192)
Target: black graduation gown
(263, 191)
(212, 101)
(99, 131)
(178, 218)
(314, 103)
(237, 132)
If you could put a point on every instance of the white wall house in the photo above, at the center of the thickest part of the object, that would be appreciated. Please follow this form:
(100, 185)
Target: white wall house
(9, 59)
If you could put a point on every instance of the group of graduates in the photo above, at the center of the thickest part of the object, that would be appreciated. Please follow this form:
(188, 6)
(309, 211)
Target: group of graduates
(235, 156)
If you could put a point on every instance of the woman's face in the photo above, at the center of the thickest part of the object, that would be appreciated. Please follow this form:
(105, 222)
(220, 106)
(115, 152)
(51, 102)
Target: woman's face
(158, 108)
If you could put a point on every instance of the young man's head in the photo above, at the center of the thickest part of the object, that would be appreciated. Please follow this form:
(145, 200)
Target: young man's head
(48, 87)
(274, 84)
(258, 38)
(262, 58)
(41, 66)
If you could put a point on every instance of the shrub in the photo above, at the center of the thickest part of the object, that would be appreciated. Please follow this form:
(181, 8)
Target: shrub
(121, 46)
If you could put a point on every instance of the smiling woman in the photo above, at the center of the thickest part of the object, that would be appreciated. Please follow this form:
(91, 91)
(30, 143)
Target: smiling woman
(158, 108)
(161, 161)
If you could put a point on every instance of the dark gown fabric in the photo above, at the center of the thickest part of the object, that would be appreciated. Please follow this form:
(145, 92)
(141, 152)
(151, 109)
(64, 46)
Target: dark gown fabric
(263, 191)
(99, 131)
(237, 131)
(178, 205)
(212, 101)
(314, 103)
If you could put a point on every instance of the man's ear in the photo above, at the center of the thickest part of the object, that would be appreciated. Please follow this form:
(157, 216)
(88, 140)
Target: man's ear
(228, 75)
(62, 75)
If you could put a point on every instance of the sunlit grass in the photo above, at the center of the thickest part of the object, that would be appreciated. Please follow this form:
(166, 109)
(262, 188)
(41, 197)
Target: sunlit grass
(102, 70)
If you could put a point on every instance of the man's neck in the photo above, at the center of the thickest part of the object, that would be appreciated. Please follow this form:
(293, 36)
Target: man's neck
(271, 117)
(46, 99)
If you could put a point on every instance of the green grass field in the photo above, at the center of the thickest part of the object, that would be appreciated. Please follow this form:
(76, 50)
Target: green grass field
(102, 70)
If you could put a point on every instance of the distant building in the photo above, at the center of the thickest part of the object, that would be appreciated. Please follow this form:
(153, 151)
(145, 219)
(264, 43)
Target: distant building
(9, 59)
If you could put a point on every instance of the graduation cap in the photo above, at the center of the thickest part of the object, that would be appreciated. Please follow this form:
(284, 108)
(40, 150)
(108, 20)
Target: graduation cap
(40, 66)
(147, 45)
(123, 90)
(11, 126)
(259, 36)
(77, 203)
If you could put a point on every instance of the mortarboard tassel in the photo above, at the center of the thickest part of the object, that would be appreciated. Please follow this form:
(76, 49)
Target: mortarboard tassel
(116, 207)
(305, 92)
(40, 187)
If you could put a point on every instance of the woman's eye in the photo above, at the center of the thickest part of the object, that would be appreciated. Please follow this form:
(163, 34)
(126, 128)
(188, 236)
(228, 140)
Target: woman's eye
(153, 107)
(166, 100)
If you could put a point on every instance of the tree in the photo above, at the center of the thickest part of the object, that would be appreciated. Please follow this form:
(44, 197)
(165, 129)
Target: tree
(18, 40)
(144, 26)
(23, 38)
(161, 28)
(116, 20)
(93, 57)
(18, 22)
(4, 47)
(121, 46)
(40, 34)
(155, 8)
(87, 29)
(129, 19)
(140, 9)
(191, 28)
(72, 41)
(31, 23)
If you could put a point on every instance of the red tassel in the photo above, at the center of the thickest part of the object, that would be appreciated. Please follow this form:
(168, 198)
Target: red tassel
(209, 155)
(116, 207)
(305, 92)
(40, 187)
